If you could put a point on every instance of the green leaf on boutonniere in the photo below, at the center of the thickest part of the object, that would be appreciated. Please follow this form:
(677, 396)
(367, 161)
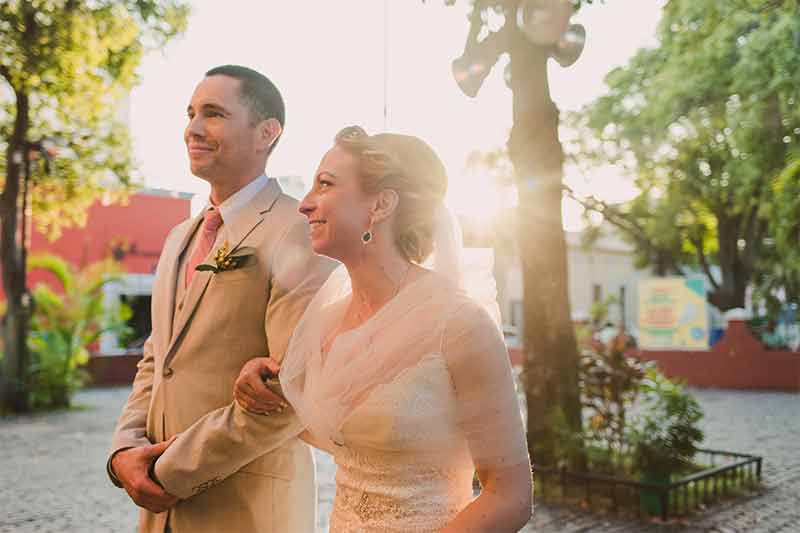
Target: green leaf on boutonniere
(203, 267)
(244, 251)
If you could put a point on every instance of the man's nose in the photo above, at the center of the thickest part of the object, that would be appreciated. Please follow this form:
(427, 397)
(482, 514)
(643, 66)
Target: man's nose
(195, 127)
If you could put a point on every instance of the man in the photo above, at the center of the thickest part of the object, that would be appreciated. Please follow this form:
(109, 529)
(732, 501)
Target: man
(230, 285)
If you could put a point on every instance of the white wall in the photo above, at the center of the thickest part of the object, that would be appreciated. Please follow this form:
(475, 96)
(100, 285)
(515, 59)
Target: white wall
(607, 263)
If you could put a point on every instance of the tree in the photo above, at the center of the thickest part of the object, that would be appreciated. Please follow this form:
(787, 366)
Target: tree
(777, 281)
(64, 66)
(550, 350)
(705, 122)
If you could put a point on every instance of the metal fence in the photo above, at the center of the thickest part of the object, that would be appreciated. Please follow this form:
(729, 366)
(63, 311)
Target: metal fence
(728, 471)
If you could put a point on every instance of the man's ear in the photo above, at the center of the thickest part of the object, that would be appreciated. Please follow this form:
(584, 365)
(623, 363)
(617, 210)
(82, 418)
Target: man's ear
(269, 131)
(386, 202)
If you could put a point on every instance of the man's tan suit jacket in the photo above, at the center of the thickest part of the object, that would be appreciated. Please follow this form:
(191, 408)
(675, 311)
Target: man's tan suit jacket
(233, 470)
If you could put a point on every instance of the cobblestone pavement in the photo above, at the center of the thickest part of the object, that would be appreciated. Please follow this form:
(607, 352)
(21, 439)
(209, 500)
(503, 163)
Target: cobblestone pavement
(52, 471)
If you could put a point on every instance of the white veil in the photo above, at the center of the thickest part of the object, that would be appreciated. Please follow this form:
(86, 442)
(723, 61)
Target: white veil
(470, 269)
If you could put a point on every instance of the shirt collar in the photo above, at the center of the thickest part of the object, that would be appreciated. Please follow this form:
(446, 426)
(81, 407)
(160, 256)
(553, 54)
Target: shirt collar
(232, 207)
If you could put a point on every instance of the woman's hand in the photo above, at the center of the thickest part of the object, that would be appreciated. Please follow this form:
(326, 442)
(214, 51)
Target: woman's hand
(251, 392)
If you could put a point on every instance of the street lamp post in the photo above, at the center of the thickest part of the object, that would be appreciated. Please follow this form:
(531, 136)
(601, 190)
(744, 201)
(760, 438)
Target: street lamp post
(532, 32)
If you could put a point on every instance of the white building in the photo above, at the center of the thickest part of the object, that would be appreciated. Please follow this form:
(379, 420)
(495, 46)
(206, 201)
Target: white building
(604, 268)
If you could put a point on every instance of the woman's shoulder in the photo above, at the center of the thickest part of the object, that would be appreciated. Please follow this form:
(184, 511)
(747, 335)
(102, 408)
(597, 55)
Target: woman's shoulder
(461, 313)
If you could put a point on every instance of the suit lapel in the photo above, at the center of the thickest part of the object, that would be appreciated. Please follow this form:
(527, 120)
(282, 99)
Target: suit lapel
(236, 234)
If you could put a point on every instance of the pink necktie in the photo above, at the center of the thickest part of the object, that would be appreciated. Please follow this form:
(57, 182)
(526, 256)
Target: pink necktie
(212, 220)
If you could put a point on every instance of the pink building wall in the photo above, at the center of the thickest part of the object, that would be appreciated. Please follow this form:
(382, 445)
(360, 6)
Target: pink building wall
(737, 361)
(139, 227)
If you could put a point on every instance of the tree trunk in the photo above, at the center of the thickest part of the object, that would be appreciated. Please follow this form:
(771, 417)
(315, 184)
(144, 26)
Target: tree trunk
(733, 280)
(551, 356)
(13, 385)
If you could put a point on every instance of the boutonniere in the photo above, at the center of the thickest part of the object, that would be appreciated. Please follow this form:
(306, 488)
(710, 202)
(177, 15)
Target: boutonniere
(225, 259)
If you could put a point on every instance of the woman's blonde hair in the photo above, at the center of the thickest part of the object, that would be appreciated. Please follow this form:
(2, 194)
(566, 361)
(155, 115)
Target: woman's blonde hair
(408, 166)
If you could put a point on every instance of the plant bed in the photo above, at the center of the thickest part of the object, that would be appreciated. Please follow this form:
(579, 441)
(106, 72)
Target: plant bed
(726, 475)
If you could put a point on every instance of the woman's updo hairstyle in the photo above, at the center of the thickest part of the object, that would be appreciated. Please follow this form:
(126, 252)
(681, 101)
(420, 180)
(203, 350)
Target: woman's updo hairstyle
(410, 167)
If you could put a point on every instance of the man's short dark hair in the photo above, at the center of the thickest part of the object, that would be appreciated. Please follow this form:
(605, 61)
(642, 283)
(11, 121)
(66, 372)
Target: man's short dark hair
(261, 96)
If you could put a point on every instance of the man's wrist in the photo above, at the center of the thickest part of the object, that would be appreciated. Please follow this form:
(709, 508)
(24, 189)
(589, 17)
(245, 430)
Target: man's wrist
(110, 467)
(151, 472)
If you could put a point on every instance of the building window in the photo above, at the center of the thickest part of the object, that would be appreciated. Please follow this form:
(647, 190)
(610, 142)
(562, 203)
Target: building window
(597, 293)
(136, 291)
(139, 323)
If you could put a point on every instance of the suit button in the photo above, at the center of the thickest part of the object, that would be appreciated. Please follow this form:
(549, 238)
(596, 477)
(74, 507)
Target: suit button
(167, 372)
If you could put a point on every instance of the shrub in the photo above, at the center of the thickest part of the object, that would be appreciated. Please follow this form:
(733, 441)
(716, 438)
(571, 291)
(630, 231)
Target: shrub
(64, 325)
(665, 435)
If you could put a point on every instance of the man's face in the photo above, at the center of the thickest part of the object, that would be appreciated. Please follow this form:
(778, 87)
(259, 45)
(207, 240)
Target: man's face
(221, 142)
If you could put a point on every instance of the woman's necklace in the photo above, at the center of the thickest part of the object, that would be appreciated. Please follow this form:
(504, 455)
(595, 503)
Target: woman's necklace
(361, 318)
(357, 315)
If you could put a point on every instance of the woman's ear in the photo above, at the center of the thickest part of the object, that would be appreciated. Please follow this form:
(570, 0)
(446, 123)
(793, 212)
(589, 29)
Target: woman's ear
(386, 202)
(269, 130)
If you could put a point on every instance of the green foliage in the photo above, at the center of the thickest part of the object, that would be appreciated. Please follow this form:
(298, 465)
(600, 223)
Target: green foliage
(75, 62)
(666, 433)
(569, 446)
(780, 265)
(636, 420)
(610, 385)
(65, 324)
(705, 122)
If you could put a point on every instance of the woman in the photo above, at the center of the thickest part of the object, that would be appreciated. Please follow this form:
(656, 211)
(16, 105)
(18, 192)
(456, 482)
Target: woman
(393, 369)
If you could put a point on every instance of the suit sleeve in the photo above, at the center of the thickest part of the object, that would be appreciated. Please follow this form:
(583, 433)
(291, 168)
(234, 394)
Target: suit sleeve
(132, 424)
(225, 440)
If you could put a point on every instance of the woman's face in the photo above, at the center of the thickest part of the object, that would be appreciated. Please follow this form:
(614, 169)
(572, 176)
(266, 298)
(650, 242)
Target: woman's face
(337, 209)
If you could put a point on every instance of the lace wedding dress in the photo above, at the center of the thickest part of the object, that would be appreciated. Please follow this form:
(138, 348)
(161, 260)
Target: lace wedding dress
(409, 403)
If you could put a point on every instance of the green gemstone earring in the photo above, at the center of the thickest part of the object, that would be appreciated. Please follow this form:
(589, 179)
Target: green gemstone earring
(366, 237)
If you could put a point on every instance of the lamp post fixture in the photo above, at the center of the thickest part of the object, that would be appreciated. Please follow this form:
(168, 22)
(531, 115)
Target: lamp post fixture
(545, 23)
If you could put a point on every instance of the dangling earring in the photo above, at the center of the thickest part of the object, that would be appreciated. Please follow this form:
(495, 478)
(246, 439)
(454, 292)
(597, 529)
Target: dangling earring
(366, 237)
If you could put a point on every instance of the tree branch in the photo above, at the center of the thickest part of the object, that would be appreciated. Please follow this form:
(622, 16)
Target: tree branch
(700, 252)
(612, 215)
(629, 227)
(5, 73)
(701, 256)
